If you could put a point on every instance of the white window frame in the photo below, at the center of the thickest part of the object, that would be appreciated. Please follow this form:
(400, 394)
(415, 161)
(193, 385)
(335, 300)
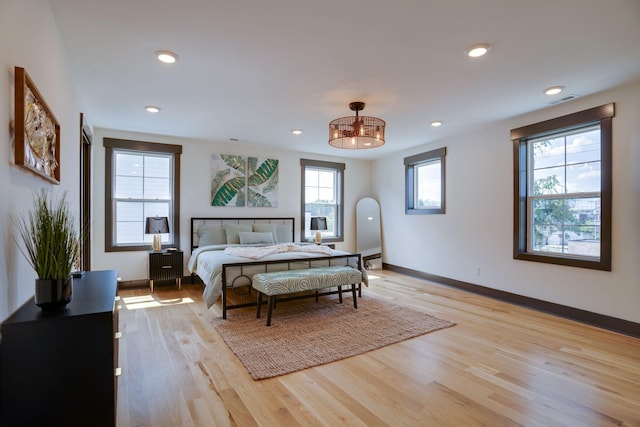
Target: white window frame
(532, 197)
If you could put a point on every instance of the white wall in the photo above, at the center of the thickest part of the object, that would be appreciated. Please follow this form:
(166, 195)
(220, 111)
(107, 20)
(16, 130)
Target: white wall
(477, 229)
(195, 196)
(29, 38)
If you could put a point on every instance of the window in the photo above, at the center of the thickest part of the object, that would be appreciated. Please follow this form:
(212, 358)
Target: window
(562, 184)
(142, 180)
(424, 183)
(322, 195)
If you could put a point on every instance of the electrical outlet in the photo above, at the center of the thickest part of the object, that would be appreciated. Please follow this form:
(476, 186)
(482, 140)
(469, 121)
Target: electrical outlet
(477, 270)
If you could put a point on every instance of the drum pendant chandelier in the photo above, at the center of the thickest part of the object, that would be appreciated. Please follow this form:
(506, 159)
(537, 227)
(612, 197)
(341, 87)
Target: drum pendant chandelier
(356, 133)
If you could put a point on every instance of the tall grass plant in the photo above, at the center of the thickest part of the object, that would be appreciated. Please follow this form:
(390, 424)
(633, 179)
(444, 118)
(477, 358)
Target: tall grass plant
(49, 236)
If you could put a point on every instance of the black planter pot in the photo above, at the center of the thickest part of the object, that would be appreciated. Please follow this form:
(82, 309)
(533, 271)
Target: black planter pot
(53, 294)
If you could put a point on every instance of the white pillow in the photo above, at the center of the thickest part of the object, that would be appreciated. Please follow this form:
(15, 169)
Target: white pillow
(248, 237)
(263, 228)
(284, 233)
(232, 231)
(211, 235)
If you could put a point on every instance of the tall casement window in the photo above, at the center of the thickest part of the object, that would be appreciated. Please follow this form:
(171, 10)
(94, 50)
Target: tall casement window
(562, 184)
(142, 180)
(323, 196)
(424, 182)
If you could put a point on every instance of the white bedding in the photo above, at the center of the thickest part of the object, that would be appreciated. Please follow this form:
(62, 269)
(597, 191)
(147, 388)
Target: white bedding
(259, 252)
(207, 263)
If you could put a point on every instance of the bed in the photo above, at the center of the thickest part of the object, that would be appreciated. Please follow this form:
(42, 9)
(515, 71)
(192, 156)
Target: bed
(227, 252)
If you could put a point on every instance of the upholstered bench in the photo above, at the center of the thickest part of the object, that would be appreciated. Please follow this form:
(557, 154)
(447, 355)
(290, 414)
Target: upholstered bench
(290, 281)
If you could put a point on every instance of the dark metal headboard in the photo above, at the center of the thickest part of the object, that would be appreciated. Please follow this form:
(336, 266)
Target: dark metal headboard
(196, 222)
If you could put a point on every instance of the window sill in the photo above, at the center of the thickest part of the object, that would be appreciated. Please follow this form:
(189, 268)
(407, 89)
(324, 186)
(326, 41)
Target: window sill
(600, 264)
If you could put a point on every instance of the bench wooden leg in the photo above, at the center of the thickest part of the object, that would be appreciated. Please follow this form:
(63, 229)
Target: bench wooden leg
(272, 302)
(259, 304)
(340, 294)
(353, 294)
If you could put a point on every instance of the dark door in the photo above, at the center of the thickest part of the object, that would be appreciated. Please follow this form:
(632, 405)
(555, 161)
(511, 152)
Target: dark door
(86, 139)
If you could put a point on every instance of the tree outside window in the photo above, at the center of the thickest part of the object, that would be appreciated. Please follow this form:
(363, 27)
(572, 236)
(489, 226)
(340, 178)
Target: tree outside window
(562, 189)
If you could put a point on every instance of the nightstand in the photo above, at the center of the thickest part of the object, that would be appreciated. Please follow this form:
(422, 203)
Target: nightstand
(165, 265)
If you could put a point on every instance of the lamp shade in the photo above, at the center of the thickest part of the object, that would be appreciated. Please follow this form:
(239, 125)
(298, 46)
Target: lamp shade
(157, 225)
(318, 223)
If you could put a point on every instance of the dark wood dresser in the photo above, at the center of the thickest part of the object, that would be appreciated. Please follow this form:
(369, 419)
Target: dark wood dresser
(60, 369)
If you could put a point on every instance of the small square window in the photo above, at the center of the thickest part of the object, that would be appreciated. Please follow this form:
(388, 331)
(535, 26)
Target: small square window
(424, 183)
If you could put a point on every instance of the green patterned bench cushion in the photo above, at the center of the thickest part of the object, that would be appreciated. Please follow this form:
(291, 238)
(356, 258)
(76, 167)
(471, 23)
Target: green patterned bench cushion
(290, 281)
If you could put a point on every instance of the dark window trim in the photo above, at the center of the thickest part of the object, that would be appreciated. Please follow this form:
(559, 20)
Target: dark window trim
(149, 147)
(324, 165)
(519, 137)
(409, 179)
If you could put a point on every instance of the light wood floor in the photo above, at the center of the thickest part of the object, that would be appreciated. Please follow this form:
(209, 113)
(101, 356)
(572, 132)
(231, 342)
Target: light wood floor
(501, 365)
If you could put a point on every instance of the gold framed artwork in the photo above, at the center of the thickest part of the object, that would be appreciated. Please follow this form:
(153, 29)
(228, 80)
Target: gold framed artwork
(37, 132)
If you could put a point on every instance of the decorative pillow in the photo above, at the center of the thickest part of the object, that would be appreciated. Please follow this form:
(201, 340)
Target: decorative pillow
(211, 235)
(232, 231)
(284, 233)
(249, 237)
(263, 228)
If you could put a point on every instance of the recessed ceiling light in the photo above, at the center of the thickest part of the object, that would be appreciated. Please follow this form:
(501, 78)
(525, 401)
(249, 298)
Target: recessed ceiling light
(152, 109)
(296, 131)
(166, 56)
(478, 50)
(436, 123)
(553, 90)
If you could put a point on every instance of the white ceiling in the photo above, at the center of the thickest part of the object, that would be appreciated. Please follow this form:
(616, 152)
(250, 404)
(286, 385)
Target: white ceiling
(256, 69)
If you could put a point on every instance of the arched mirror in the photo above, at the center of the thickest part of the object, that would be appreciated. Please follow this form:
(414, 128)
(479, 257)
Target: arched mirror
(368, 242)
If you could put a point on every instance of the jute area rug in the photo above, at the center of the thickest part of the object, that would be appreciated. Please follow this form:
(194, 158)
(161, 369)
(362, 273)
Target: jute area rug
(305, 333)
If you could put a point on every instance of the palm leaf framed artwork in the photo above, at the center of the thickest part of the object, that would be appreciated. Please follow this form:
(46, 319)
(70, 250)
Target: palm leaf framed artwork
(240, 181)
(228, 180)
(262, 179)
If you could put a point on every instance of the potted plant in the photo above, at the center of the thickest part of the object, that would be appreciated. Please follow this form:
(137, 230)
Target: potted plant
(50, 240)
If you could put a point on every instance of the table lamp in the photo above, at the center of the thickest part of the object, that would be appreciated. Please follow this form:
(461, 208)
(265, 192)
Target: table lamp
(318, 223)
(157, 225)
